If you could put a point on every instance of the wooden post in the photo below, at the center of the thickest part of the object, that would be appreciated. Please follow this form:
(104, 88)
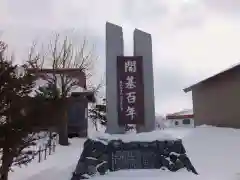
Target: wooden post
(54, 146)
(39, 154)
(45, 152)
(50, 149)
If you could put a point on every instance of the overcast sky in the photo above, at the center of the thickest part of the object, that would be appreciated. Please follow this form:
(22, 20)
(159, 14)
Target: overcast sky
(192, 39)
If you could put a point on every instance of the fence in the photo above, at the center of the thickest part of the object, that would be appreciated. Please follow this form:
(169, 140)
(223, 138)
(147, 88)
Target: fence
(37, 152)
(41, 151)
(46, 149)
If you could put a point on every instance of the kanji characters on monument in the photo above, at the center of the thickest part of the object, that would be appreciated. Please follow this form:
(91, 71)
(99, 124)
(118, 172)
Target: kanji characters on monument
(131, 97)
(130, 90)
(130, 66)
(130, 82)
(131, 112)
(121, 95)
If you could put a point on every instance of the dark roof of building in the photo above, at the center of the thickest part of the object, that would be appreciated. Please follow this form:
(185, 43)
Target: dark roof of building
(57, 71)
(174, 117)
(90, 96)
(233, 68)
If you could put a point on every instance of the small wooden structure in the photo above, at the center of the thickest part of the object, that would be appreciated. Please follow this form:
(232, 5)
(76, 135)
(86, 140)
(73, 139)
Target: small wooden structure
(77, 102)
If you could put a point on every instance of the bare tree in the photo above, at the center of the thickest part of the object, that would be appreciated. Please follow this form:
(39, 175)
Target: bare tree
(65, 68)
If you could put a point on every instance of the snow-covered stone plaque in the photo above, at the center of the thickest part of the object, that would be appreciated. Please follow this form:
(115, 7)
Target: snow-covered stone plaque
(100, 157)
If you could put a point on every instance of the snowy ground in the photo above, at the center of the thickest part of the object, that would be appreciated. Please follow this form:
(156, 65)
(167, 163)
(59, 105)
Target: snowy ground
(213, 151)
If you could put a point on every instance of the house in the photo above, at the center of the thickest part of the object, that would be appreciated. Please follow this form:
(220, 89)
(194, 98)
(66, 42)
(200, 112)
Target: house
(78, 99)
(183, 118)
(216, 100)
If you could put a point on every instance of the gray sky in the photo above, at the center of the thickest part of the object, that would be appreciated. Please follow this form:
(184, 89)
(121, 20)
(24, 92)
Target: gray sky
(192, 39)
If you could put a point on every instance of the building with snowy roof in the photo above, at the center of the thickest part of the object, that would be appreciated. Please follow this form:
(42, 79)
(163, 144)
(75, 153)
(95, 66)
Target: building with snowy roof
(79, 97)
(184, 118)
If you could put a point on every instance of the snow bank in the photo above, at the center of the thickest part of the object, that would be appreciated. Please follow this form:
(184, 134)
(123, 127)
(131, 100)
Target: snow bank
(147, 174)
(132, 137)
(214, 152)
(59, 165)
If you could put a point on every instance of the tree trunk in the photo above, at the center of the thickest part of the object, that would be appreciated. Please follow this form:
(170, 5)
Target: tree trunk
(7, 159)
(63, 130)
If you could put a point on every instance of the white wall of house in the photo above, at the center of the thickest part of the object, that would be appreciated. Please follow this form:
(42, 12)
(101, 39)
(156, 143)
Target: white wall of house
(181, 123)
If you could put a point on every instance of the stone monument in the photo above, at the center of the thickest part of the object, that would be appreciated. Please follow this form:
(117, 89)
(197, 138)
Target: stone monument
(114, 48)
(130, 100)
(135, 102)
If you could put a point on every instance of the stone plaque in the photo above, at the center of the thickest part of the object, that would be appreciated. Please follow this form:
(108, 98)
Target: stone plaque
(130, 88)
(133, 159)
(99, 158)
(149, 160)
(126, 159)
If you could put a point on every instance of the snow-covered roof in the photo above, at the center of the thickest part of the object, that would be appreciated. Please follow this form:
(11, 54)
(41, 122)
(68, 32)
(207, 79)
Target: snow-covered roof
(183, 112)
(41, 82)
(231, 68)
(186, 113)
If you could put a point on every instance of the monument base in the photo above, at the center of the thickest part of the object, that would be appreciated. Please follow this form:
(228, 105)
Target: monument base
(106, 154)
